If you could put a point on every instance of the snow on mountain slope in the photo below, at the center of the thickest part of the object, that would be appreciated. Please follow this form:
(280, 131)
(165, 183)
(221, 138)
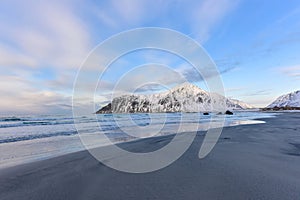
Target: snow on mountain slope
(182, 98)
(291, 100)
(241, 104)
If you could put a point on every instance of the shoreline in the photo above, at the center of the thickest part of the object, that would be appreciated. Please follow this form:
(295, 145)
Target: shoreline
(259, 161)
(78, 146)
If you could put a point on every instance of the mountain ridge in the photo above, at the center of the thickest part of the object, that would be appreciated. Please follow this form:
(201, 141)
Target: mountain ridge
(185, 97)
(291, 99)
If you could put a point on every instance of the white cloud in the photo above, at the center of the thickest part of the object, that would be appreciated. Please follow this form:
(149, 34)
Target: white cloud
(151, 76)
(53, 34)
(49, 33)
(43, 34)
(19, 96)
(130, 10)
(196, 18)
(12, 58)
(207, 14)
(291, 71)
(104, 17)
(118, 14)
(193, 75)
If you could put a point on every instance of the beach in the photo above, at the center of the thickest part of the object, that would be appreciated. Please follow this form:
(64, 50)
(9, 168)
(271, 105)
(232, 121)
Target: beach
(257, 161)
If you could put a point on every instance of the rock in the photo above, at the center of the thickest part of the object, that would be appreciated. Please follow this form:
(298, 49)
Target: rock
(276, 108)
(206, 113)
(105, 109)
(228, 112)
(182, 98)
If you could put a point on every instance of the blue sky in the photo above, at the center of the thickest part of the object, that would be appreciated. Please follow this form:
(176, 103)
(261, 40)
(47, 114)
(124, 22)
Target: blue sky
(255, 45)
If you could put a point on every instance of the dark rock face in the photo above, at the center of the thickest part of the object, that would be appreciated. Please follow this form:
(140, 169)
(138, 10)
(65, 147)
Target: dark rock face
(199, 100)
(105, 109)
(276, 108)
(228, 112)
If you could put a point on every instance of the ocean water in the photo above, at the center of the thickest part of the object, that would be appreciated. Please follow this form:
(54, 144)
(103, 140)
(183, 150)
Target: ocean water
(35, 137)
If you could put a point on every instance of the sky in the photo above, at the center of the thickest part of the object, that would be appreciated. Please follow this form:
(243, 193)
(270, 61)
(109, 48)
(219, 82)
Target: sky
(255, 45)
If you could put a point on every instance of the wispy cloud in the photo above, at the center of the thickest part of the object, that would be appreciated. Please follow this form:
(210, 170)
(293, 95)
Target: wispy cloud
(291, 71)
(19, 96)
(199, 17)
(118, 15)
(236, 89)
(49, 33)
(39, 35)
(192, 75)
(140, 78)
(267, 43)
(207, 14)
(132, 11)
(58, 35)
(257, 93)
(13, 58)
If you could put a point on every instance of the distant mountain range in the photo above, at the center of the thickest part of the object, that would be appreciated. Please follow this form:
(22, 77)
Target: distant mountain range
(289, 101)
(182, 98)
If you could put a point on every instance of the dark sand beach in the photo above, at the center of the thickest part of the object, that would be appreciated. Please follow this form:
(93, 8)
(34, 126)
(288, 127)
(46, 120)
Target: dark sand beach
(260, 161)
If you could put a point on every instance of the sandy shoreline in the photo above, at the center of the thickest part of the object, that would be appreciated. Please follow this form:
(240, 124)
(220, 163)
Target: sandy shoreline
(249, 162)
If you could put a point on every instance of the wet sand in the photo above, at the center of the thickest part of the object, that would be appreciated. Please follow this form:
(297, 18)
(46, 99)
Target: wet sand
(260, 161)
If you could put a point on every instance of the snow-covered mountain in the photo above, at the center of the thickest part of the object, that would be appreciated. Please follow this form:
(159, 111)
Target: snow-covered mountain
(241, 104)
(290, 100)
(182, 98)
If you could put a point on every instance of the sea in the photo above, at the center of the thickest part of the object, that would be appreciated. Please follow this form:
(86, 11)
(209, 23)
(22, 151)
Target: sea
(29, 138)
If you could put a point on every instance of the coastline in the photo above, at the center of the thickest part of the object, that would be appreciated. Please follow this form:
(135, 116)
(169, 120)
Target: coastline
(36, 147)
(258, 161)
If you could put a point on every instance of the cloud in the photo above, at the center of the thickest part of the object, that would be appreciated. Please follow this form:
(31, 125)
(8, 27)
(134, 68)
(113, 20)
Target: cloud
(152, 78)
(151, 87)
(148, 74)
(291, 71)
(236, 89)
(147, 78)
(227, 63)
(198, 17)
(35, 35)
(18, 96)
(192, 75)
(10, 57)
(207, 14)
(258, 93)
(120, 15)
(258, 98)
(104, 17)
(49, 33)
(259, 102)
(278, 37)
(132, 11)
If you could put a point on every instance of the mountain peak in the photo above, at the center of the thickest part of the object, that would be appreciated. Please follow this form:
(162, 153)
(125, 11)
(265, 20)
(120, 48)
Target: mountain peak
(186, 86)
(185, 97)
(291, 99)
